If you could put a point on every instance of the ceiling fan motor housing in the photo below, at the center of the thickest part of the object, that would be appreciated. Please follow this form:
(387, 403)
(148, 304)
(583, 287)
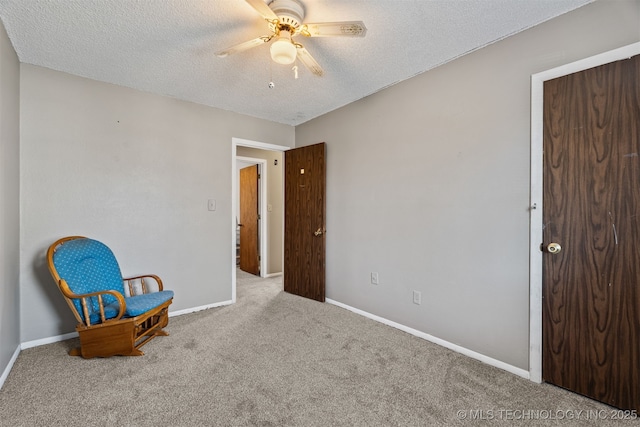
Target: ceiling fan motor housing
(289, 12)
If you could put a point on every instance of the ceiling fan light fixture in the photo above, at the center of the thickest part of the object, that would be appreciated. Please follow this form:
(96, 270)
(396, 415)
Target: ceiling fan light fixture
(283, 51)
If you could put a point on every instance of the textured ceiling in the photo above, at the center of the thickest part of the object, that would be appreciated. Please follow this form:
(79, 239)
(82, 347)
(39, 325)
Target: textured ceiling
(167, 46)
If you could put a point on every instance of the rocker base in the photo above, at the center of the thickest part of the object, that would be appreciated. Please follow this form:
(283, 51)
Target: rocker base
(122, 337)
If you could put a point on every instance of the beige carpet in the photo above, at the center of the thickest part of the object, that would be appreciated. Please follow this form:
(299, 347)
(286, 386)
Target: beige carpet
(274, 359)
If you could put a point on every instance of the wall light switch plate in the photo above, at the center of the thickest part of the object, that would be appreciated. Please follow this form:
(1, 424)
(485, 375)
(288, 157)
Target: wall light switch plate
(212, 204)
(374, 279)
(417, 297)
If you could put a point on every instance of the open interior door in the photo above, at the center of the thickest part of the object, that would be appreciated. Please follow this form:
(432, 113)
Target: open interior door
(304, 221)
(249, 221)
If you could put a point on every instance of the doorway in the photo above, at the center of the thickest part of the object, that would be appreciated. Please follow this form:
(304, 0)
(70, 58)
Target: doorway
(271, 205)
(536, 205)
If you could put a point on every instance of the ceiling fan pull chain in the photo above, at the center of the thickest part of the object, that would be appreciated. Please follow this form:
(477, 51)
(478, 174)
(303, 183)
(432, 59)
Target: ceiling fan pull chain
(271, 84)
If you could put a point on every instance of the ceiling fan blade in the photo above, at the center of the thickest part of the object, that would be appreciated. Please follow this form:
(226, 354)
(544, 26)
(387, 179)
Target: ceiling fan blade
(264, 10)
(334, 29)
(305, 57)
(243, 46)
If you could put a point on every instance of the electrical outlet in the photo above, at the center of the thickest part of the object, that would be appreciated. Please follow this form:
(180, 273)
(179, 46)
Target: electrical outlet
(374, 279)
(417, 297)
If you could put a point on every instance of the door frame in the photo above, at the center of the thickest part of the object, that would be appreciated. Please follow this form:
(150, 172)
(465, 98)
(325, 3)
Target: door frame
(235, 143)
(262, 206)
(535, 207)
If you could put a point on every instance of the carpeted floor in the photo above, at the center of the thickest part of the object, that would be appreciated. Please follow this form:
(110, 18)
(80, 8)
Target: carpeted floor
(274, 359)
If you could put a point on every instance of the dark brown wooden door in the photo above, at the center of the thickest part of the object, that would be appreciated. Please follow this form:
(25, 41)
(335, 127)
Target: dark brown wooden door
(249, 250)
(304, 221)
(591, 296)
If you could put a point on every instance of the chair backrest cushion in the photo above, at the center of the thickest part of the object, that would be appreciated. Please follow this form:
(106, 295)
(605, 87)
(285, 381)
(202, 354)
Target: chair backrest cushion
(88, 266)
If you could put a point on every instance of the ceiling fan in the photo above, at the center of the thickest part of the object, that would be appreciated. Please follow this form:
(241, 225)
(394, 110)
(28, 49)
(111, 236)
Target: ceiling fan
(285, 18)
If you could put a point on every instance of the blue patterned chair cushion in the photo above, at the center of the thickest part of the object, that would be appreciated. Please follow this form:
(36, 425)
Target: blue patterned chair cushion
(136, 305)
(89, 266)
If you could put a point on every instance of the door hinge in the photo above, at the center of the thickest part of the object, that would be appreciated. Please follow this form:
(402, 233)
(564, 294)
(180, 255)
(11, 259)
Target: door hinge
(259, 217)
(259, 176)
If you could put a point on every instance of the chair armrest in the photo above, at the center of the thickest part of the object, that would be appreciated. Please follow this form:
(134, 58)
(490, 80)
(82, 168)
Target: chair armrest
(138, 286)
(66, 291)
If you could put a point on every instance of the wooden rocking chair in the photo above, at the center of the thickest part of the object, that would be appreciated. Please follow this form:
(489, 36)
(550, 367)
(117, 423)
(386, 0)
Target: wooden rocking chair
(112, 320)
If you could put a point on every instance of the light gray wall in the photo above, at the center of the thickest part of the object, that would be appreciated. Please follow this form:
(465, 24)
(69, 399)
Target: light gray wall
(428, 184)
(133, 170)
(275, 218)
(9, 200)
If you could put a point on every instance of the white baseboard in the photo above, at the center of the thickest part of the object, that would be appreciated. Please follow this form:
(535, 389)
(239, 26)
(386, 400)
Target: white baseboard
(272, 275)
(459, 349)
(200, 308)
(5, 374)
(49, 340)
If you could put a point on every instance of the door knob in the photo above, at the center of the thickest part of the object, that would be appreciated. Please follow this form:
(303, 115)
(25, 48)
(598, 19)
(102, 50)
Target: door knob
(318, 232)
(553, 248)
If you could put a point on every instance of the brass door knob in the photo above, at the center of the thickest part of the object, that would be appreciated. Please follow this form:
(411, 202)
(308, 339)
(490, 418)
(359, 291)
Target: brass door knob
(318, 232)
(554, 248)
